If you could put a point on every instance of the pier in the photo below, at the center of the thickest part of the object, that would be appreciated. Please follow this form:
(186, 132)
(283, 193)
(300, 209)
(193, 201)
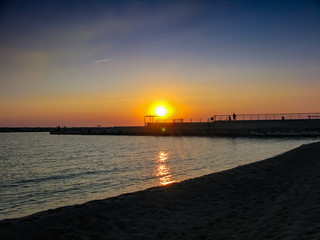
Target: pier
(287, 124)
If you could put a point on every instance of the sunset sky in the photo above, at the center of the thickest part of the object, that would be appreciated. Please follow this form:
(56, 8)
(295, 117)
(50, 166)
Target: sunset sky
(88, 62)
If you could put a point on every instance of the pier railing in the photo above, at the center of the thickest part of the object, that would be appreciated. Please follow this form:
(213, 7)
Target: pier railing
(269, 116)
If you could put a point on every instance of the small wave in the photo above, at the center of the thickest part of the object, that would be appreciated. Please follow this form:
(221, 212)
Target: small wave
(57, 177)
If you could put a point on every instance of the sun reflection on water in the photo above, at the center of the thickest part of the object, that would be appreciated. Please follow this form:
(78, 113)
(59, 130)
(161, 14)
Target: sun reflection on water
(163, 171)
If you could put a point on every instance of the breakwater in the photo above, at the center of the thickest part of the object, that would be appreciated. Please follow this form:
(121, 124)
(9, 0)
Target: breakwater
(297, 127)
(26, 129)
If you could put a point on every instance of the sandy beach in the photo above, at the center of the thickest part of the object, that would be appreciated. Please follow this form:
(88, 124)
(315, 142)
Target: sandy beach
(277, 198)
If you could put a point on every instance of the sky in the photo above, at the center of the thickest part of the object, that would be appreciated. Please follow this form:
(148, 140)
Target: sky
(109, 63)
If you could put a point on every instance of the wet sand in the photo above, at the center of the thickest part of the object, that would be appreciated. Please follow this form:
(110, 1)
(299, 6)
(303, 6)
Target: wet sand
(277, 198)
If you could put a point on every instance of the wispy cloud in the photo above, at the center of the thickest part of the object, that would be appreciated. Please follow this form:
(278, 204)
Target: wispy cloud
(103, 60)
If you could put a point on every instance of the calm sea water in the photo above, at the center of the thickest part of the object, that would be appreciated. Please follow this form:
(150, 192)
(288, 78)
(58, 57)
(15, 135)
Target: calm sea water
(39, 171)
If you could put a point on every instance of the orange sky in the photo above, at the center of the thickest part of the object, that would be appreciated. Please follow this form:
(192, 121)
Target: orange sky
(128, 108)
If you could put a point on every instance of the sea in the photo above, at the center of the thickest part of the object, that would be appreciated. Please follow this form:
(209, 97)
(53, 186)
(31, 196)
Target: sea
(39, 171)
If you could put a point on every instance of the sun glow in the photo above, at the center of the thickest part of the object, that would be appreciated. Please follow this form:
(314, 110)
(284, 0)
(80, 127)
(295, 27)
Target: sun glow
(161, 111)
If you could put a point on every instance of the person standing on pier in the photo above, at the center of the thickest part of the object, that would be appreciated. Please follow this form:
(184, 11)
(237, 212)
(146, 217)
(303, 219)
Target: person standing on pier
(234, 116)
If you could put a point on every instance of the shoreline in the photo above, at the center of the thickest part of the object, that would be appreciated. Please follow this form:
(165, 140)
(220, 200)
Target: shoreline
(276, 198)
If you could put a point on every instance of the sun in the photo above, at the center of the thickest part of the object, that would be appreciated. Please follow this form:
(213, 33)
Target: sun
(161, 111)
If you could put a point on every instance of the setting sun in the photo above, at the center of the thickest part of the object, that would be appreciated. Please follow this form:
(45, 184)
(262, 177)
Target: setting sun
(161, 111)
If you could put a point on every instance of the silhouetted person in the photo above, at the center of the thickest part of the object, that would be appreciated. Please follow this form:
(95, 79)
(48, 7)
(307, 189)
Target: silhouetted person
(234, 116)
(229, 118)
